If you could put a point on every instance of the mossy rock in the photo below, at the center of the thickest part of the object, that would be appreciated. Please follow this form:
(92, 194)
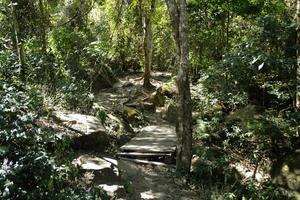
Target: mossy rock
(88, 132)
(158, 99)
(170, 112)
(168, 90)
(131, 112)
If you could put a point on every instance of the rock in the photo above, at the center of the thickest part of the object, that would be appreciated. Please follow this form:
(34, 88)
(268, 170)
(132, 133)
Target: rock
(119, 125)
(131, 113)
(157, 98)
(97, 141)
(169, 112)
(195, 162)
(123, 84)
(103, 173)
(114, 191)
(142, 106)
(104, 78)
(91, 133)
(87, 162)
(146, 106)
(168, 90)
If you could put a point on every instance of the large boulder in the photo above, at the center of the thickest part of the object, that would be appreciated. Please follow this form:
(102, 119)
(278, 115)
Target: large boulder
(90, 133)
(103, 78)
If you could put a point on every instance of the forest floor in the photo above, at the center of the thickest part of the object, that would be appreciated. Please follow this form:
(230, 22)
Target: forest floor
(147, 181)
(125, 110)
(132, 180)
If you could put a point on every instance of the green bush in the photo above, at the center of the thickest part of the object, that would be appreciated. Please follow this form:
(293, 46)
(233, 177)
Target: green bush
(30, 167)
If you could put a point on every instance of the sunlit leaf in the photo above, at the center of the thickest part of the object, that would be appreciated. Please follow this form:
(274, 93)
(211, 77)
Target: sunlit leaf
(261, 66)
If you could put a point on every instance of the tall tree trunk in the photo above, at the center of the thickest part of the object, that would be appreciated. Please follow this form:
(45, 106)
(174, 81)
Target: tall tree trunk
(298, 62)
(17, 41)
(227, 24)
(148, 41)
(298, 56)
(174, 16)
(43, 26)
(179, 17)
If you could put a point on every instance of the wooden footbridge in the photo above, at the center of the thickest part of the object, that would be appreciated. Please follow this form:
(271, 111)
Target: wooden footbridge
(153, 143)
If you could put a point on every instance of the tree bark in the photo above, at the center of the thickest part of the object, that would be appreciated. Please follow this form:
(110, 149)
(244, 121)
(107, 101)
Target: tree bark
(179, 17)
(43, 26)
(148, 41)
(174, 16)
(298, 56)
(17, 41)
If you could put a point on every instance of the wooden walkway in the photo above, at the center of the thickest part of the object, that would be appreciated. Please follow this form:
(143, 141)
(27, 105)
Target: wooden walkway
(152, 141)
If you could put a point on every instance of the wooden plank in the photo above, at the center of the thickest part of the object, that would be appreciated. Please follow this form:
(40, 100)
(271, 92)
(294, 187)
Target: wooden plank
(149, 146)
(143, 154)
(153, 139)
(146, 162)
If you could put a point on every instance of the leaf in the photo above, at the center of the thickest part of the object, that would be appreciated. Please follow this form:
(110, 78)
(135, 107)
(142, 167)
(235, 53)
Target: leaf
(261, 66)
(255, 60)
(3, 150)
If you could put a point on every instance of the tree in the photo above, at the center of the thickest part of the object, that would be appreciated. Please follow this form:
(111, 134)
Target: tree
(44, 22)
(148, 40)
(179, 17)
(298, 56)
(17, 39)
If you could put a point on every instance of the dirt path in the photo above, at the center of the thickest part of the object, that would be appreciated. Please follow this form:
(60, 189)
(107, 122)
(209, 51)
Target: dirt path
(155, 182)
(143, 181)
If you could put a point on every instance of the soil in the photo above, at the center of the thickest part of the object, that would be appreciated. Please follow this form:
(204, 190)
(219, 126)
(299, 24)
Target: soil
(140, 181)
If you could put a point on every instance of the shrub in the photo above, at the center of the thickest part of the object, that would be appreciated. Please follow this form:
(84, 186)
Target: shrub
(29, 169)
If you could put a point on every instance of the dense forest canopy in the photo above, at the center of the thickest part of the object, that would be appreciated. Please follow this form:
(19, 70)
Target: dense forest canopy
(233, 92)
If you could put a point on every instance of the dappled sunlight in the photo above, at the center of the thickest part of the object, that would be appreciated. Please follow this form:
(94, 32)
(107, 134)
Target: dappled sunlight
(153, 139)
(84, 124)
(149, 99)
(153, 195)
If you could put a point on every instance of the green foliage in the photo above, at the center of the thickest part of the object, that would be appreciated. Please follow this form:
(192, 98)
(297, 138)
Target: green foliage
(71, 94)
(247, 92)
(267, 191)
(29, 169)
(9, 65)
(67, 45)
(243, 52)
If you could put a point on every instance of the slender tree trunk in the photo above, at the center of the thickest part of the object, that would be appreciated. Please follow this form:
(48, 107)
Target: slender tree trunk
(17, 41)
(179, 17)
(43, 26)
(174, 16)
(185, 104)
(227, 24)
(298, 56)
(298, 62)
(148, 42)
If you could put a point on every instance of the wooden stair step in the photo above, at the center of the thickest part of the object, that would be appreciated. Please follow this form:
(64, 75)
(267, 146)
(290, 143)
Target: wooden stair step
(143, 154)
(146, 162)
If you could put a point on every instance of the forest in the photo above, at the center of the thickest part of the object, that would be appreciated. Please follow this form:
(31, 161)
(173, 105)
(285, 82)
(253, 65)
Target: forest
(150, 99)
